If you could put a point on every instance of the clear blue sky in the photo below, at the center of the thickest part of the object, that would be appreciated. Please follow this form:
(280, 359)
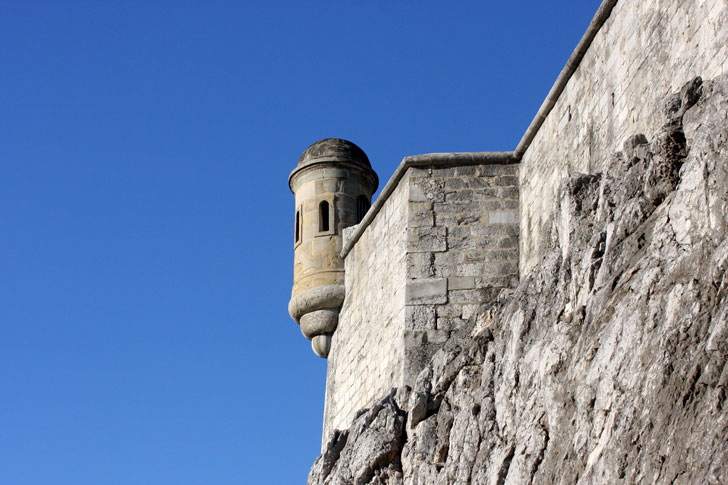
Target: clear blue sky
(146, 249)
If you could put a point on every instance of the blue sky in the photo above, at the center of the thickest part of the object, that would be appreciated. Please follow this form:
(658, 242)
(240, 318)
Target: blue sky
(146, 249)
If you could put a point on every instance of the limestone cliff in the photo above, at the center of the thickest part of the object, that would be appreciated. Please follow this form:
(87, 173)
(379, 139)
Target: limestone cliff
(608, 363)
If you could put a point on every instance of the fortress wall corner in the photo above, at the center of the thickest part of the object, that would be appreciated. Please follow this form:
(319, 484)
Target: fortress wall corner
(367, 348)
(444, 242)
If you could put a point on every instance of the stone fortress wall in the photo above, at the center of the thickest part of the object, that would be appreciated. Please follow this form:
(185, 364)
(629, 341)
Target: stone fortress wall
(445, 240)
(450, 231)
(645, 50)
(367, 350)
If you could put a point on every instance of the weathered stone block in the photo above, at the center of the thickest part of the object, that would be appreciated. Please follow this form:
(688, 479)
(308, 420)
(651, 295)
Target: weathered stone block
(445, 220)
(471, 256)
(475, 269)
(420, 214)
(466, 170)
(465, 207)
(500, 256)
(420, 317)
(496, 230)
(508, 192)
(488, 193)
(455, 207)
(510, 281)
(460, 238)
(460, 282)
(508, 243)
(466, 296)
(418, 338)
(443, 172)
(468, 219)
(459, 196)
(417, 194)
(479, 182)
(427, 189)
(444, 208)
(508, 268)
(491, 204)
(448, 310)
(445, 264)
(420, 265)
(449, 323)
(507, 180)
(493, 170)
(423, 291)
(455, 183)
(503, 217)
(414, 339)
(427, 239)
(415, 172)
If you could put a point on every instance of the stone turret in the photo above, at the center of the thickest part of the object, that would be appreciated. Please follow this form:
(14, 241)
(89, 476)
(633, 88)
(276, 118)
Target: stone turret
(333, 185)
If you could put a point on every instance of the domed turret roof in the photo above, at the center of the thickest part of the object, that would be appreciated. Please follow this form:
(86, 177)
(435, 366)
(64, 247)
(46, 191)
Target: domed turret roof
(334, 149)
(337, 153)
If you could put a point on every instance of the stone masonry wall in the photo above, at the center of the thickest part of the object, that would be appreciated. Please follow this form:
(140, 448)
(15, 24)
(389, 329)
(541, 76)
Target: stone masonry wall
(367, 347)
(645, 50)
(462, 249)
(609, 363)
(445, 240)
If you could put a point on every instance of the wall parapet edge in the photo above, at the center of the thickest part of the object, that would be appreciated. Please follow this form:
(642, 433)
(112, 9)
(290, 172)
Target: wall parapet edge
(434, 160)
(482, 158)
(603, 13)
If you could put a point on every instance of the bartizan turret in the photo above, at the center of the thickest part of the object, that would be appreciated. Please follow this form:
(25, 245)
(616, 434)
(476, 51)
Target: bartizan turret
(333, 185)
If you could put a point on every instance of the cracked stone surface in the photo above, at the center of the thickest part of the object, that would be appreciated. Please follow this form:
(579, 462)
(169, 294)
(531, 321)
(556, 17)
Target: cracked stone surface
(608, 363)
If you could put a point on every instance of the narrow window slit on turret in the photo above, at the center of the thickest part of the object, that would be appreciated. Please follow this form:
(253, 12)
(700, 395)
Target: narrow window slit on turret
(298, 226)
(323, 216)
(362, 206)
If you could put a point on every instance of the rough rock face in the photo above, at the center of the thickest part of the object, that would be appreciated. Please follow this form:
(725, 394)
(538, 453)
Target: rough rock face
(608, 363)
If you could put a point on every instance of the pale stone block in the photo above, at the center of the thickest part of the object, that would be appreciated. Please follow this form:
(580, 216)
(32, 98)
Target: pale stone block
(503, 217)
(420, 265)
(475, 269)
(460, 282)
(415, 172)
(431, 290)
(420, 215)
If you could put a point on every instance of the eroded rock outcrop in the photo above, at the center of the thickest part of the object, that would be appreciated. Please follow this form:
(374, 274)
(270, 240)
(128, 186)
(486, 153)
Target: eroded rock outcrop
(608, 363)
